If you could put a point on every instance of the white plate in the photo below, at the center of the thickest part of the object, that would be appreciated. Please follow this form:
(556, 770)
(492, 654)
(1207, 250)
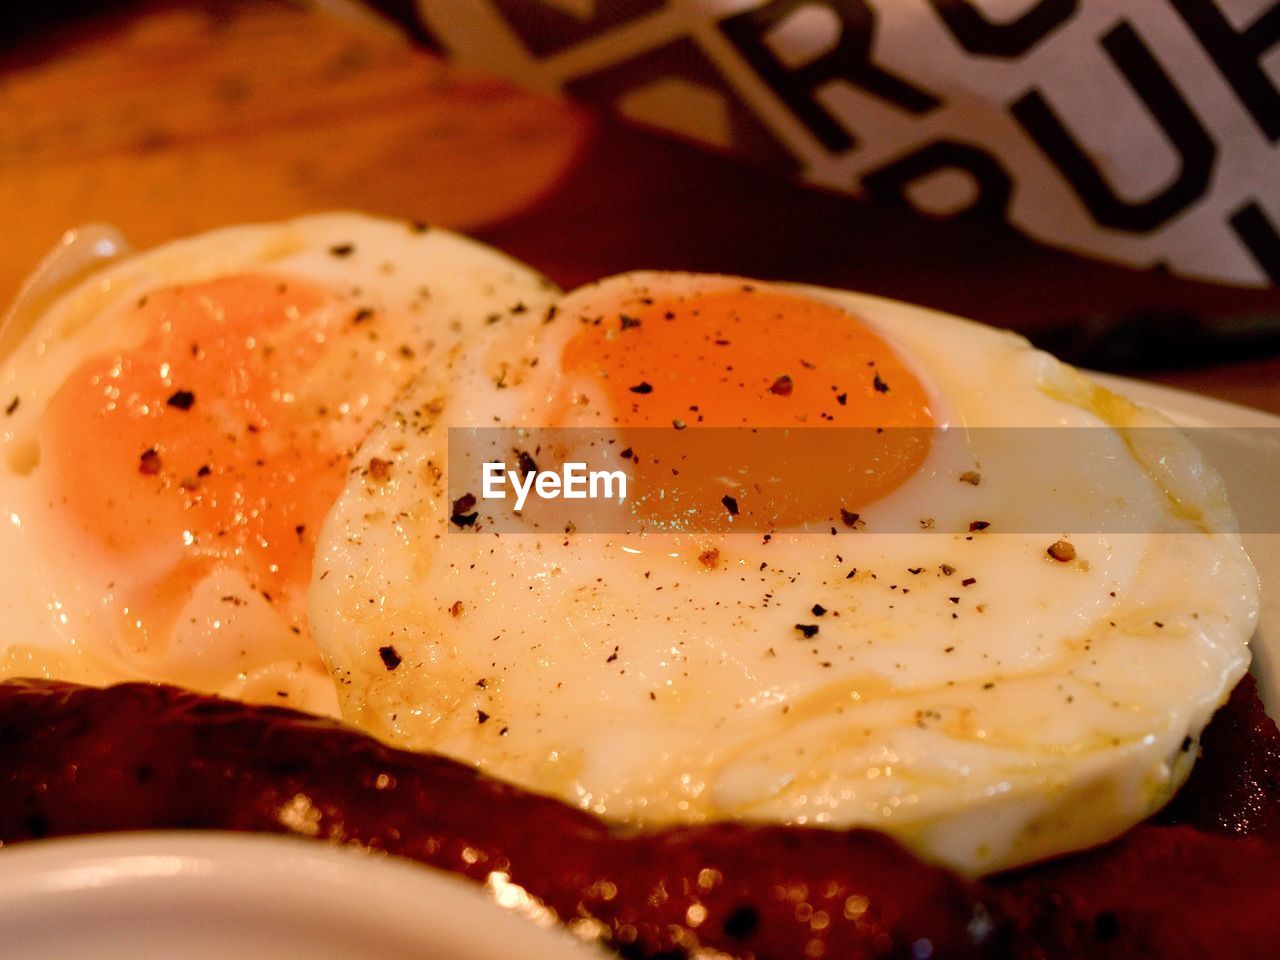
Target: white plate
(206, 896)
(1245, 448)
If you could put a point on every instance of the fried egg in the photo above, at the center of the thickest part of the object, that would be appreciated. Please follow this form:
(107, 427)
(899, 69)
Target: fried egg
(177, 425)
(921, 647)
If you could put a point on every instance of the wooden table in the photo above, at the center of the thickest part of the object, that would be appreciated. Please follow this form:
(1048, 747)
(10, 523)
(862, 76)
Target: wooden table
(168, 118)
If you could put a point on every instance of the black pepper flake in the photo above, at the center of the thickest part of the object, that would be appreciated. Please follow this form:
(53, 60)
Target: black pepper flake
(977, 526)
(149, 463)
(12, 407)
(379, 469)
(460, 517)
(481, 716)
(300, 529)
(971, 477)
(842, 398)
(807, 630)
(362, 315)
(915, 571)
(988, 685)
(679, 424)
(204, 471)
(818, 610)
(390, 659)
(642, 387)
(947, 569)
(342, 249)
(612, 657)
(850, 519)
(1062, 551)
(182, 399)
(968, 581)
(1186, 744)
(525, 463)
(629, 323)
(730, 504)
(880, 385)
(782, 387)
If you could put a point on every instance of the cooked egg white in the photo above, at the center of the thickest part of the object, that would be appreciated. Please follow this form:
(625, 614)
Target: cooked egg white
(176, 426)
(984, 699)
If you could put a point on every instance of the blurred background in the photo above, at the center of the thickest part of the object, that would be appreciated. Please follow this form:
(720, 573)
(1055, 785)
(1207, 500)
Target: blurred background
(167, 118)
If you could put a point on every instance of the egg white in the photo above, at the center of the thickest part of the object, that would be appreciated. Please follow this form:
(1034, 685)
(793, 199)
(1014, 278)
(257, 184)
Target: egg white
(430, 288)
(1048, 706)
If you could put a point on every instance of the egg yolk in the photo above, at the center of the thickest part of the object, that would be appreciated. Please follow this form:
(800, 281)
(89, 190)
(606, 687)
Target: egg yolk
(728, 399)
(219, 441)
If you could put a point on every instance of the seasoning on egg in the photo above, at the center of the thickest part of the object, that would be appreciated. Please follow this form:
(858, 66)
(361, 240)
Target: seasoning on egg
(850, 518)
(730, 504)
(971, 477)
(808, 630)
(629, 322)
(390, 658)
(525, 463)
(782, 386)
(149, 463)
(463, 514)
(342, 249)
(642, 387)
(12, 407)
(379, 469)
(879, 384)
(1062, 551)
(977, 526)
(363, 314)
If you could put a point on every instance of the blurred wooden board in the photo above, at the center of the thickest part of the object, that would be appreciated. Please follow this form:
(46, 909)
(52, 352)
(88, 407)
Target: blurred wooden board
(167, 118)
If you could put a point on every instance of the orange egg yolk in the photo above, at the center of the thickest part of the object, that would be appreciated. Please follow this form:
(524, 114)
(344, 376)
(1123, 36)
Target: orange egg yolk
(745, 404)
(220, 440)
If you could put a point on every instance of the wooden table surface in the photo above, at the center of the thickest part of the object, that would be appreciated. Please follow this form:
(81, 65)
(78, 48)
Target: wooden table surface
(168, 118)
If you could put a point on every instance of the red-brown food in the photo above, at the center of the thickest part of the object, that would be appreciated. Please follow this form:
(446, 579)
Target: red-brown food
(78, 760)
